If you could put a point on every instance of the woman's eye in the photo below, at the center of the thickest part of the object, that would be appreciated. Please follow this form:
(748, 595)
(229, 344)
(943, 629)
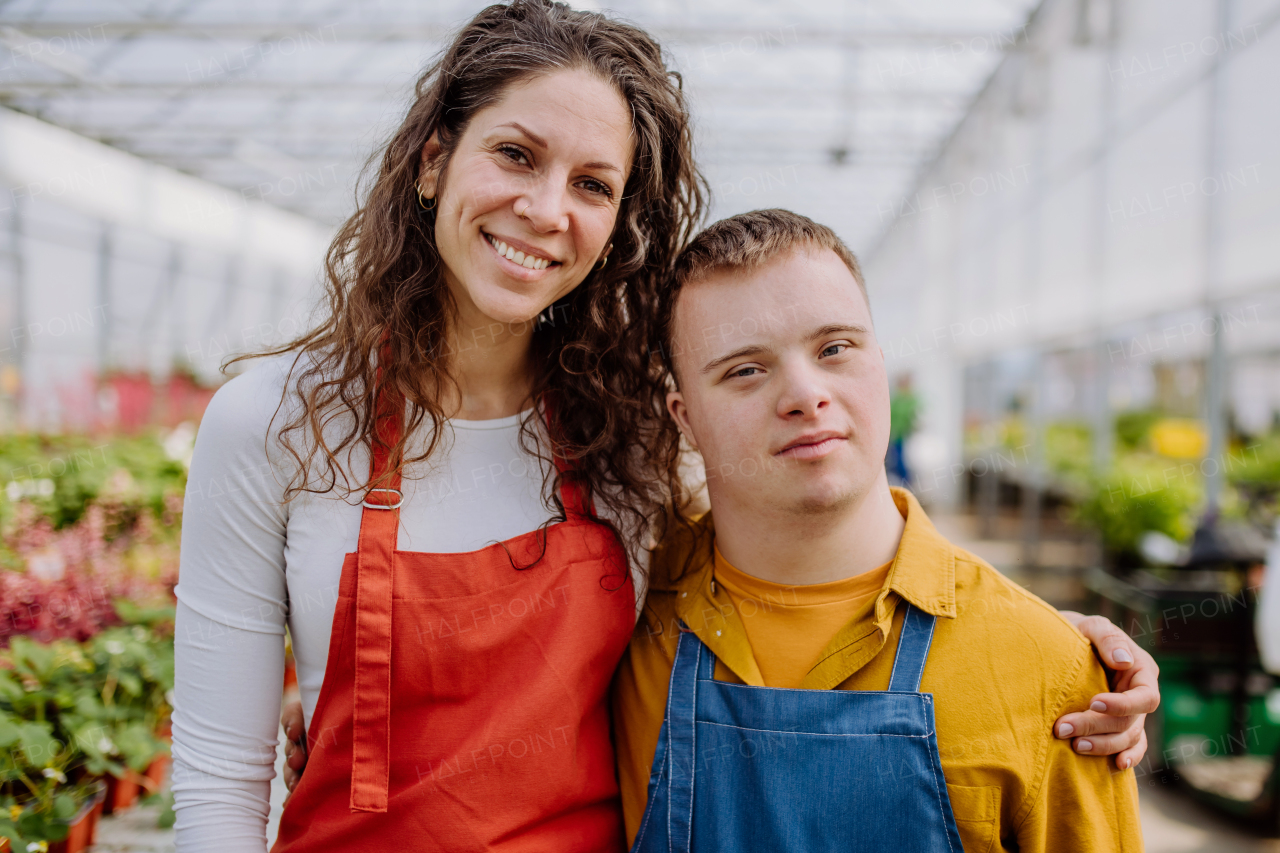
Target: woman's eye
(514, 154)
(834, 349)
(595, 186)
(745, 371)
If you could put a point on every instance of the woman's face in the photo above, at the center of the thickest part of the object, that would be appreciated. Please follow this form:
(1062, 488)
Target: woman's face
(531, 195)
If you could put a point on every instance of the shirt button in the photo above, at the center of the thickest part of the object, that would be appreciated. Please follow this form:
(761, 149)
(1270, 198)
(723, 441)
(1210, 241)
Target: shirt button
(717, 633)
(684, 595)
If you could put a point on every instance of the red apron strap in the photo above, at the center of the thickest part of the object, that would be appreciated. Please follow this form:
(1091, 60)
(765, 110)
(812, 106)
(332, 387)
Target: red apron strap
(375, 573)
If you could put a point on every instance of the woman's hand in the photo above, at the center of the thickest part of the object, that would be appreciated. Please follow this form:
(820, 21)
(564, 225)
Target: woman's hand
(1114, 723)
(295, 746)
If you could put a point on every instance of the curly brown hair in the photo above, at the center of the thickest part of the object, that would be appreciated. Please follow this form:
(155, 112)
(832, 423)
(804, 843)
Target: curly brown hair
(384, 278)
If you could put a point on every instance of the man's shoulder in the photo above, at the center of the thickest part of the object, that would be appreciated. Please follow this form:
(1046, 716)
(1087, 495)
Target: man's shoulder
(1008, 651)
(991, 607)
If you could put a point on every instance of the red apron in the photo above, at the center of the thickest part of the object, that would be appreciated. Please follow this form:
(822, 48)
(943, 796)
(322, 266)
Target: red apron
(464, 704)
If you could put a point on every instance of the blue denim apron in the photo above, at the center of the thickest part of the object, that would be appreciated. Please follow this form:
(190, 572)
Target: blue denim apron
(764, 768)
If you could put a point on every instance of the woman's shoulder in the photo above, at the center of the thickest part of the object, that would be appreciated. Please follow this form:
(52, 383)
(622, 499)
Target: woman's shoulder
(245, 405)
(251, 412)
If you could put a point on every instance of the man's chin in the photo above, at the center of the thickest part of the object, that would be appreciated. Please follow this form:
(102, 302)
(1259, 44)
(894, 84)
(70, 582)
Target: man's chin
(824, 501)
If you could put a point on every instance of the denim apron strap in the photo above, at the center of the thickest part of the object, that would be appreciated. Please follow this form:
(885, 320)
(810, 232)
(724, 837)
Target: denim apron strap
(782, 757)
(691, 657)
(913, 650)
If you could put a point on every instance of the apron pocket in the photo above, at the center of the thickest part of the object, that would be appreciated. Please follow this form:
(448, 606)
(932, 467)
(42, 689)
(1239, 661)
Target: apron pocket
(976, 810)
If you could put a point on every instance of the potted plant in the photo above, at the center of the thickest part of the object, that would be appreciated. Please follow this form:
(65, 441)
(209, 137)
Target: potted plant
(129, 705)
(41, 806)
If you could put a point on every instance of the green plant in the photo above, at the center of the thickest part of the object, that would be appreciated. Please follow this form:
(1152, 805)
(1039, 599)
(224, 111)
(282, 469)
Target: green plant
(63, 474)
(39, 752)
(134, 668)
(1257, 466)
(1140, 492)
(1132, 428)
(70, 713)
(1068, 451)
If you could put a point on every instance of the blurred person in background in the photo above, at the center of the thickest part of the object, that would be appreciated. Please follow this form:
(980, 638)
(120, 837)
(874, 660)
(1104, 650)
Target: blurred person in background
(904, 407)
(458, 611)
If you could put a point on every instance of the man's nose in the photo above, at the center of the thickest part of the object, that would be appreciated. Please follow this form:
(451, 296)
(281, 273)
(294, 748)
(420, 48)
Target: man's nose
(804, 395)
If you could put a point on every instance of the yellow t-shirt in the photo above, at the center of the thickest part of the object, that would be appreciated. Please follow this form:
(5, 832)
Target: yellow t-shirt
(788, 626)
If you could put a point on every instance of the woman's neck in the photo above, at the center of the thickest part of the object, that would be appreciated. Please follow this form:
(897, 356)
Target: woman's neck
(489, 364)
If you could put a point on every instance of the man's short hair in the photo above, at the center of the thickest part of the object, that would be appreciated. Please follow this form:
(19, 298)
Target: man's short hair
(745, 242)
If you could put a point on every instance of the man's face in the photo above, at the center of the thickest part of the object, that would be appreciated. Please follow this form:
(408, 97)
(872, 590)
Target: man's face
(782, 384)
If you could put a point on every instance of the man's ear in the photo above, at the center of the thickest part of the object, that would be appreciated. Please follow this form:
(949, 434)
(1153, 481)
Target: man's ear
(680, 414)
(429, 174)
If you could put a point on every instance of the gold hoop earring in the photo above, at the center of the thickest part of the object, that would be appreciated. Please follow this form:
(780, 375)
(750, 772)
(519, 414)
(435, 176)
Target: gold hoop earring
(600, 264)
(422, 201)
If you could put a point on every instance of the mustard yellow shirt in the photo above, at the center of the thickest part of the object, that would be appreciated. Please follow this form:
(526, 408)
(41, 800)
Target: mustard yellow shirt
(1002, 668)
(788, 625)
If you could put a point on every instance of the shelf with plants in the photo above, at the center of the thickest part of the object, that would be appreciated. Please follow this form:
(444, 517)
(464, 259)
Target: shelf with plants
(88, 560)
(1154, 482)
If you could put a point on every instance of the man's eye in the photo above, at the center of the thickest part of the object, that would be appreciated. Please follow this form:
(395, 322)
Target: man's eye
(745, 371)
(834, 349)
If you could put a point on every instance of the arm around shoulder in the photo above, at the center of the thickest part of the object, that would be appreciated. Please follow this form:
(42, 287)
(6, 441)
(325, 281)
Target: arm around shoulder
(1082, 803)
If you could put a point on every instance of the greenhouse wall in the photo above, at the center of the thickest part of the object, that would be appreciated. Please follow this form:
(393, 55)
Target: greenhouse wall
(115, 269)
(1114, 192)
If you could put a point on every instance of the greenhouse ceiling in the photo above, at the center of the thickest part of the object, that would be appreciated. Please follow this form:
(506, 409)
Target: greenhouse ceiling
(833, 107)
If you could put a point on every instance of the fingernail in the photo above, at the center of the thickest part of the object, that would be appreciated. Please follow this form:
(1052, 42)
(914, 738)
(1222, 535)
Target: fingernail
(1065, 730)
(1122, 656)
(1099, 707)
(1125, 763)
(1084, 746)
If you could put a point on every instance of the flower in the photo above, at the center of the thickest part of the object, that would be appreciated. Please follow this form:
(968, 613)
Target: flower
(38, 847)
(180, 444)
(52, 773)
(15, 812)
(105, 746)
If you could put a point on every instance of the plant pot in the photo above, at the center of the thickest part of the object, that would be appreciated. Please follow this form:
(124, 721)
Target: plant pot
(157, 770)
(82, 827)
(121, 793)
(96, 813)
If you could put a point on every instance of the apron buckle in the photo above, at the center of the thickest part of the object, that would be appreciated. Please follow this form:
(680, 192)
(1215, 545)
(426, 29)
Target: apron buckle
(399, 499)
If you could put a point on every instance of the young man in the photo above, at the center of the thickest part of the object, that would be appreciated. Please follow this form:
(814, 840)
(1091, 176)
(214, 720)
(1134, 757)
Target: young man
(817, 575)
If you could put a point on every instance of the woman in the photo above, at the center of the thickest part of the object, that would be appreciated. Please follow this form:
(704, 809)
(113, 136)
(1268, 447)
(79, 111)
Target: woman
(485, 358)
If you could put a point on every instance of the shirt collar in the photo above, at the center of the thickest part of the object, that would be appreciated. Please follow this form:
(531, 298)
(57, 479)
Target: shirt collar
(923, 570)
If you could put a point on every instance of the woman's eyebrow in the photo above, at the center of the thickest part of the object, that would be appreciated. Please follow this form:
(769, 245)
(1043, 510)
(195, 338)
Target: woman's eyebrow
(542, 143)
(533, 137)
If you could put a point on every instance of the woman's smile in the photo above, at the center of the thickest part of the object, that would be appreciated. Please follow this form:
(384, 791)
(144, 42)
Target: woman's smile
(519, 260)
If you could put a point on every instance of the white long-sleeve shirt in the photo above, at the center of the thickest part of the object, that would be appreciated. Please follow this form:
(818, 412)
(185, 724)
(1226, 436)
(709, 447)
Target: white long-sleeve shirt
(252, 564)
